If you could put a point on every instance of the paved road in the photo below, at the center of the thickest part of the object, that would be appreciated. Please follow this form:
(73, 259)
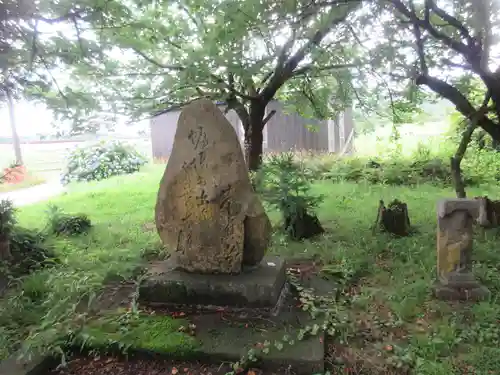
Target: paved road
(23, 197)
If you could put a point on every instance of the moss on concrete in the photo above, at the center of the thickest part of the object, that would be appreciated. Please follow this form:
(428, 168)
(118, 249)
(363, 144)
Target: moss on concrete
(142, 332)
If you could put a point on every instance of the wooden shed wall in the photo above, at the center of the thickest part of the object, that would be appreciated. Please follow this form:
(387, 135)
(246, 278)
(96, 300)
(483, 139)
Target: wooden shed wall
(284, 132)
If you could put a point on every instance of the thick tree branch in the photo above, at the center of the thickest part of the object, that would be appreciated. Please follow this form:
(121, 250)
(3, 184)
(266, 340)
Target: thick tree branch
(312, 68)
(284, 53)
(482, 19)
(268, 117)
(456, 65)
(426, 25)
(461, 103)
(456, 160)
(234, 104)
(280, 76)
(418, 39)
(451, 21)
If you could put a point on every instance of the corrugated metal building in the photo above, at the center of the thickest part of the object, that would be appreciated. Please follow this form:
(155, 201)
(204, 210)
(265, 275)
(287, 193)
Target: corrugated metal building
(284, 131)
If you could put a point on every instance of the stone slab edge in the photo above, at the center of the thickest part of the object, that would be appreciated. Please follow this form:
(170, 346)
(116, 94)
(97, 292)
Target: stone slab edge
(163, 281)
(271, 361)
(39, 365)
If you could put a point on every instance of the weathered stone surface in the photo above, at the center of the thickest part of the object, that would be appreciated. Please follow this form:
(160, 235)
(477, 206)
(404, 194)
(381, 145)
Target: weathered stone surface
(226, 336)
(227, 344)
(207, 212)
(454, 250)
(38, 365)
(260, 288)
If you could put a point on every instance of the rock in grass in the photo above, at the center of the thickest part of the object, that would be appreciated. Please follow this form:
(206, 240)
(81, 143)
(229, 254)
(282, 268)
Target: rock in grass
(207, 213)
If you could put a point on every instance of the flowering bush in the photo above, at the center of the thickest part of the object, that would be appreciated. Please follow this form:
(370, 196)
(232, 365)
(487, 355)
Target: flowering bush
(101, 161)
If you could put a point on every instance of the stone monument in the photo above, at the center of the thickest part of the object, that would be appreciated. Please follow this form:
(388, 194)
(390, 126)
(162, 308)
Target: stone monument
(210, 219)
(455, 280)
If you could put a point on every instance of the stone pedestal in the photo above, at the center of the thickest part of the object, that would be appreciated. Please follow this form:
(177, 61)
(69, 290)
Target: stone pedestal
(461, 286)
(258, 287)
(455, 280)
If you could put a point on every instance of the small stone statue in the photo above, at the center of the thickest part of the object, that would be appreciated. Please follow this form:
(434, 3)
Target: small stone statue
(455, 279)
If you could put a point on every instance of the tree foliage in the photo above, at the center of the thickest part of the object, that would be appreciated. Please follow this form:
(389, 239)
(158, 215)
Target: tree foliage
(138, 57)
(445, 48)
(244, 53)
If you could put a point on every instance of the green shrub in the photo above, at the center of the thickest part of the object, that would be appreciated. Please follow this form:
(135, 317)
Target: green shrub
(29, 251)
(7, 216)
(480, 166)
(284, 184)
(101, 161)
(61, 223)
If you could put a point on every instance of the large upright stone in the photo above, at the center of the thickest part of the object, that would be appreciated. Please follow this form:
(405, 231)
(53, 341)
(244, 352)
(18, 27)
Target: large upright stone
(455, 279)
(207, 213)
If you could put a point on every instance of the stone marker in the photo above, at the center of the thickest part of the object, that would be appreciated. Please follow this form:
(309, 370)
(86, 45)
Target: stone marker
(455, 280)
(207, 213)
(211, 220)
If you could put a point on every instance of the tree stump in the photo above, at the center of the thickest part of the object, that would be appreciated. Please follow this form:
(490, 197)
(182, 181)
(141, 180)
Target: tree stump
(301, 225)
(393, 218)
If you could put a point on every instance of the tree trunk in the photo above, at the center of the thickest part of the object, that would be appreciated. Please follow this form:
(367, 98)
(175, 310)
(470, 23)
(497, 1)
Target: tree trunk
(253, 135)
(456, 160)
(13, 126)
(253, 148)
(456, 175)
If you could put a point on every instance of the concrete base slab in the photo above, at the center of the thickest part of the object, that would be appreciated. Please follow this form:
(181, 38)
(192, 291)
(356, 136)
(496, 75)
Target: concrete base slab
(260, 287)
(230, 343)
(449, 293)
(227, 335)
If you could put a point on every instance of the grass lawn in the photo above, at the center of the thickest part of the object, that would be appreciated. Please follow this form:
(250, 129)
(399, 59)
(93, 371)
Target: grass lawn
(394, 321)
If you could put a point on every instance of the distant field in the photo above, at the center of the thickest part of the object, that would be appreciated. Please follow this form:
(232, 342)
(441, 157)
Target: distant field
(48, 159)
(430, 135)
